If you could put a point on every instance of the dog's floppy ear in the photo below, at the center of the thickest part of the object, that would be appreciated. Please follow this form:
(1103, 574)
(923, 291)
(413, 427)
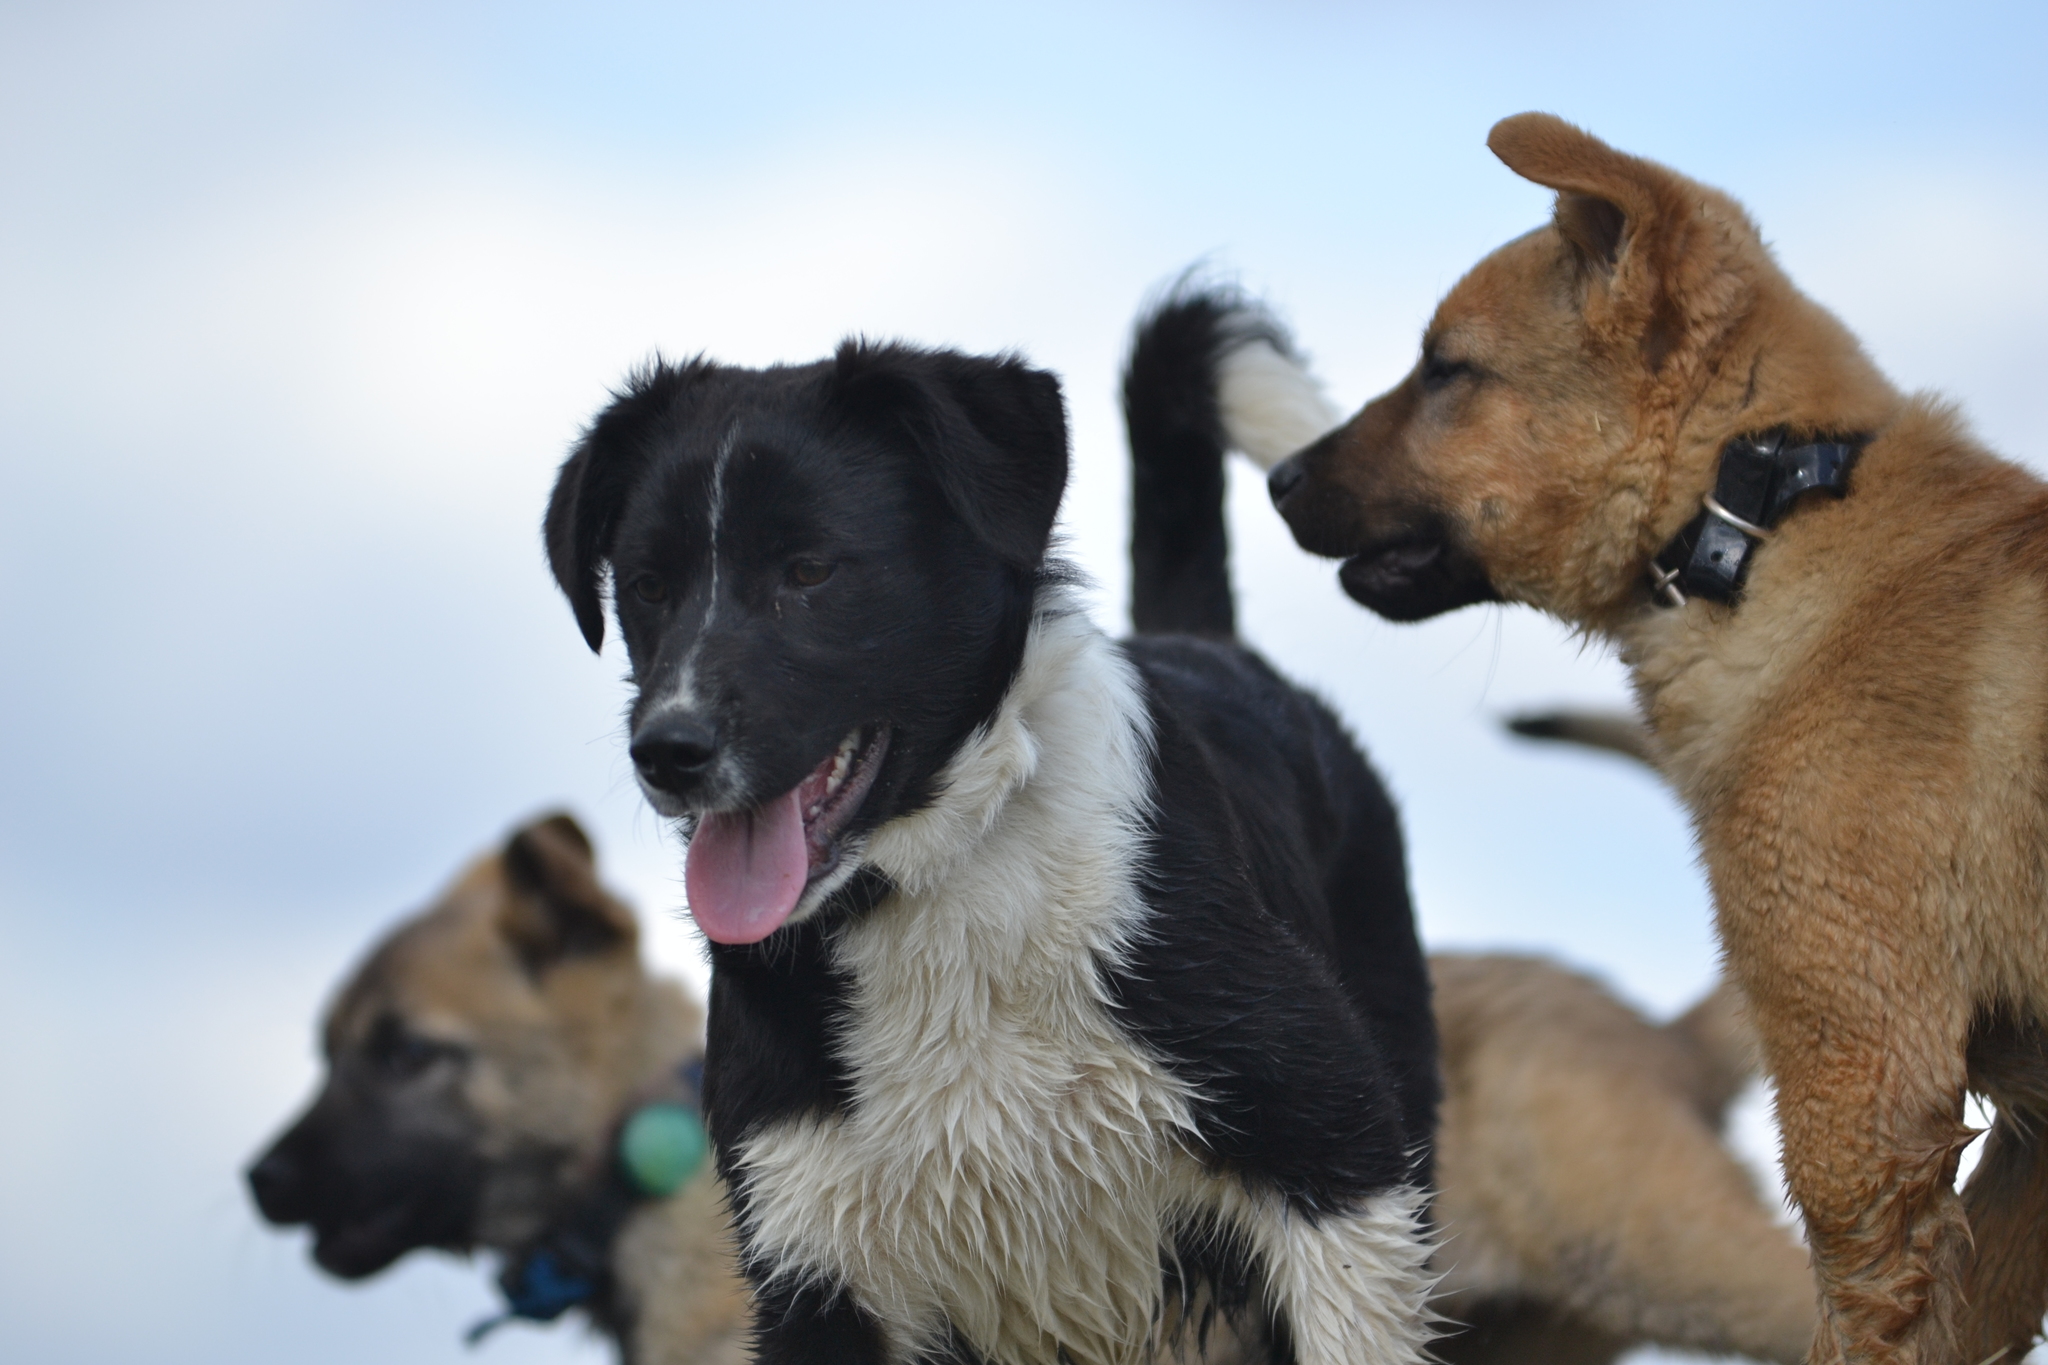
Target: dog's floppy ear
(559, 909)
(992, 431)
(1659, 245)
(593, 484)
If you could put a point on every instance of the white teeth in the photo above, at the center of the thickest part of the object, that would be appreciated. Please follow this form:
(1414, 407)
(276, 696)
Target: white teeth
(842, 764)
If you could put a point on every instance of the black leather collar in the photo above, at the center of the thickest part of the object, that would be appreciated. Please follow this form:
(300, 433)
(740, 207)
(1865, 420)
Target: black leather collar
(1761, 477)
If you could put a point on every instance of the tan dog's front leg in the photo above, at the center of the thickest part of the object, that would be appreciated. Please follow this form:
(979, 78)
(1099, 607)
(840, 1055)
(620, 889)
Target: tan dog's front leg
(1870, 1090)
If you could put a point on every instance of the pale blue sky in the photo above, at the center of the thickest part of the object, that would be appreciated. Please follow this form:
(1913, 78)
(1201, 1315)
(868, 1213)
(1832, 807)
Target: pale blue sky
(301, 303)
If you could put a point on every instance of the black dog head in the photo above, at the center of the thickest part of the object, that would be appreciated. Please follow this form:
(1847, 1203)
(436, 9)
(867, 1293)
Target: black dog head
(824, 576)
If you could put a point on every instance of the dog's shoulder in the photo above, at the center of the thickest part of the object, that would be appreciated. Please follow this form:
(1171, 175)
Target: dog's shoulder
(1276, 747)
(1240, 804)
(1247, 713)
(1236, 979)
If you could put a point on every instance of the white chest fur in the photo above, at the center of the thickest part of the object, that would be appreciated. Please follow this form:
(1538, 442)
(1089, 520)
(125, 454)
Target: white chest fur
(1011, 1159)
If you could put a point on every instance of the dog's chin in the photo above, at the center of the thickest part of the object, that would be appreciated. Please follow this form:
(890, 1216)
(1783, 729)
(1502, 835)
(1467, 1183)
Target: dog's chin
(358, 1250)
(668, 806)
(1415, 578)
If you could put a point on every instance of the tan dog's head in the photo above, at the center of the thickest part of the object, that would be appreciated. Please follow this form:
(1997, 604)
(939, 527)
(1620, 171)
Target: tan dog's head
(1572, 395)
(478, 1062)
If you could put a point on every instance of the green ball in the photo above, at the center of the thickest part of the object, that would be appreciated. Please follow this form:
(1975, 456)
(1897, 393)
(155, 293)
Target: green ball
(661, 1146)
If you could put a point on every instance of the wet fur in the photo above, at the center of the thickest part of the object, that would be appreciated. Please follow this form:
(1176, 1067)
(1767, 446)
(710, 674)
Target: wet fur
(1065, 1027)
(1552, 1086)
(1860, 742)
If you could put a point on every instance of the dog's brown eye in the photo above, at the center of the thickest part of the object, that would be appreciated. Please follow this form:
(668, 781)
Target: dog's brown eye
(809, 573)
(650, 589)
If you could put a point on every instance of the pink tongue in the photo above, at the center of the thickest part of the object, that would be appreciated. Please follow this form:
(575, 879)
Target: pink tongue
(744, 873)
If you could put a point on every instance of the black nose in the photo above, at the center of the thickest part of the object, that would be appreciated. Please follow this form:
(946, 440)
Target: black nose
(1285, 478)
(674, 752)
(276, 1183)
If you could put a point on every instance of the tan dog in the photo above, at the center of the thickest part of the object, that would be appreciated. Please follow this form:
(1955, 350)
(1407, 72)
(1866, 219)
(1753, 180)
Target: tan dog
(1859, 731)
(479, 1064)
(1587, 1202)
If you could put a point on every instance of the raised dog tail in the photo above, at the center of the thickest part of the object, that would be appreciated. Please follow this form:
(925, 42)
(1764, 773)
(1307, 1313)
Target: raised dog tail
(1210, 371)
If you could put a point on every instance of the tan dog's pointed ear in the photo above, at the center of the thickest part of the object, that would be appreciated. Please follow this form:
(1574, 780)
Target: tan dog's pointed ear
(1603, 196)
(562, 828)
(1593, 225)
(559, 908)
(1638, 227)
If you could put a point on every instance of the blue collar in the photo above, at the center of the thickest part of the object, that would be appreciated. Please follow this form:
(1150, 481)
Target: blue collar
(569, 1265)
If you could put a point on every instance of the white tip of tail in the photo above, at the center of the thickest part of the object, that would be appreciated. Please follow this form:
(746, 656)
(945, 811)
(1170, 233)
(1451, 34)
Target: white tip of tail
(1271, 405)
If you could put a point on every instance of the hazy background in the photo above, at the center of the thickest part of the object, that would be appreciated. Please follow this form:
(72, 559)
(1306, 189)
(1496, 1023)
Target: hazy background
(300, 305)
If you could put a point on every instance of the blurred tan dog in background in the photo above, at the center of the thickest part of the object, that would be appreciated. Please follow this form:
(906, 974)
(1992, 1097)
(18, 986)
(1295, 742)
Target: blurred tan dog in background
(481, 1057)
(1587, 1201)
(480, 1064)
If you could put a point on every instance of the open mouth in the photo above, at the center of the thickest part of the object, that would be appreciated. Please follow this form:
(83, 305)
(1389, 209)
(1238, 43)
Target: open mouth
(1414, 578)
(746, 870)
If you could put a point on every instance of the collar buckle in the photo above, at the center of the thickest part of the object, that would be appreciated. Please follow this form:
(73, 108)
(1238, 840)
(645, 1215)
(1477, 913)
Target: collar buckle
(1664, 584)
(1760, 479)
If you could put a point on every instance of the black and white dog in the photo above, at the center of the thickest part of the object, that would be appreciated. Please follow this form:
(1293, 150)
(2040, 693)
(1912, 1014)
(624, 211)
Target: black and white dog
(1063, 989)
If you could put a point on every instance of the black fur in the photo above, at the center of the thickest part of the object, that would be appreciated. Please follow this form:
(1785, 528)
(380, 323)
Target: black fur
(1279, 970)
(1290, 987)
(1258, 783)
(809, 1322)
(776, 1007)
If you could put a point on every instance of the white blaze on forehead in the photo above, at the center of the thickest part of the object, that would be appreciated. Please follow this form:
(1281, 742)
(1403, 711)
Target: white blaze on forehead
(714, 516)
(682, 695)
(1272, 406)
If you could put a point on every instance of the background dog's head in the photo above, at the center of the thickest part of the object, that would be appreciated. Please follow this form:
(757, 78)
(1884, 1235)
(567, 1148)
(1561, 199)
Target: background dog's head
(477, 1063)
(1572, 395)
(824, 576)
